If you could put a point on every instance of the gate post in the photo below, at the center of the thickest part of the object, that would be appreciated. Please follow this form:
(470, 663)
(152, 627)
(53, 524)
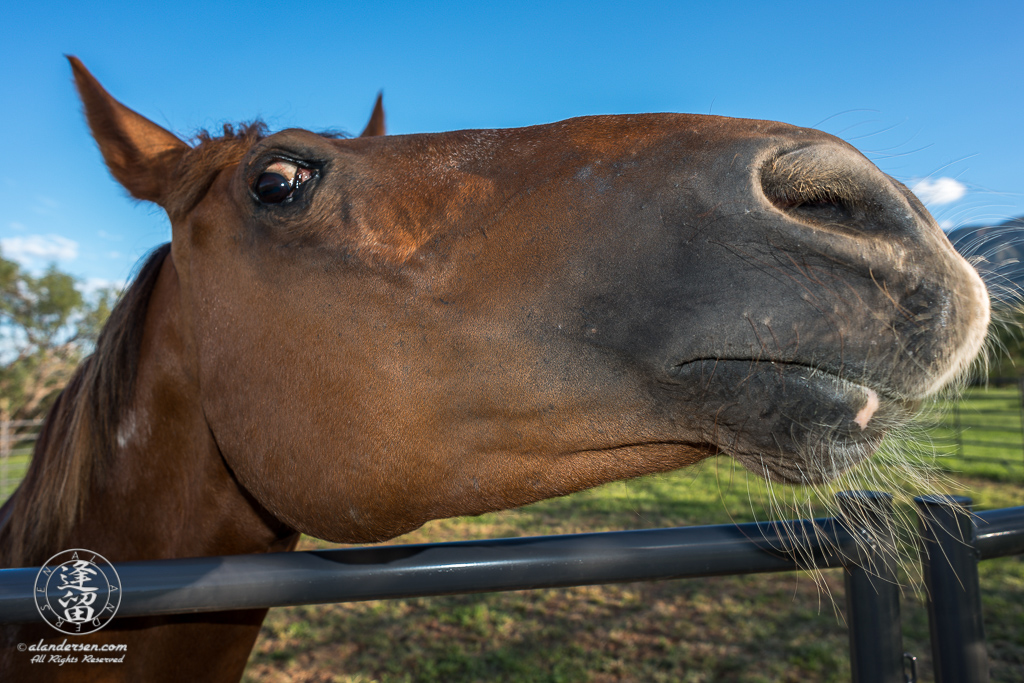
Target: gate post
(872, 589)
(950, 563)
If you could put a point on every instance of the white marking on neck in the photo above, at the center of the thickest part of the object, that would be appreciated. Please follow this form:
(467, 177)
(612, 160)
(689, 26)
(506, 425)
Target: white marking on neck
(128, 430)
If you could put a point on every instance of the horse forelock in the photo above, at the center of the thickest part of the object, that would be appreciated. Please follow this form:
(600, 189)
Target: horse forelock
(207, 157)
(79, 435)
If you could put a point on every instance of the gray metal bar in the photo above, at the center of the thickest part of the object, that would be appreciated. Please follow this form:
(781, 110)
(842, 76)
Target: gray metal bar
(212, 584)
(999, 533)
(950, 564)
(872, 590)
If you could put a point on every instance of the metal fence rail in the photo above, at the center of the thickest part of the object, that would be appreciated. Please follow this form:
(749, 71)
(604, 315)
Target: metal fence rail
(211, 584)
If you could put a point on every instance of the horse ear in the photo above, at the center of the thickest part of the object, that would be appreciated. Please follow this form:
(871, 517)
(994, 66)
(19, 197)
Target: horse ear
(140, 154)
(376, 125)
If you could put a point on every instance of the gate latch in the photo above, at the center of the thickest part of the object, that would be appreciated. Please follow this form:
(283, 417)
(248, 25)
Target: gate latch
(912, 660)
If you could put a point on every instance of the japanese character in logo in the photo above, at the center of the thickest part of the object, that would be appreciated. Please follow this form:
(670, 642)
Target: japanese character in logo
(77, 591)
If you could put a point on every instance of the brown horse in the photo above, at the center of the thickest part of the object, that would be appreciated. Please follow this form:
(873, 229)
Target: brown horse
(350, 337)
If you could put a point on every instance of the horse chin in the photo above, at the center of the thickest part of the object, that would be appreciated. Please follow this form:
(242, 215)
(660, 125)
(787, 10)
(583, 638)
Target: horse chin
(819, 463)
(791, 423)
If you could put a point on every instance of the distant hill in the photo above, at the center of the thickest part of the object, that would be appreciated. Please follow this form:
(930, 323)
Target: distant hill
(997, 251)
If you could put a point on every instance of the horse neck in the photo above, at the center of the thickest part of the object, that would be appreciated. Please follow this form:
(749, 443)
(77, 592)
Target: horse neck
(169, 492)
(165, 492)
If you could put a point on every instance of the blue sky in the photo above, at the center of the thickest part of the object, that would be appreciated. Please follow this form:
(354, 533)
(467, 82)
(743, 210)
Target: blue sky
(932, 92)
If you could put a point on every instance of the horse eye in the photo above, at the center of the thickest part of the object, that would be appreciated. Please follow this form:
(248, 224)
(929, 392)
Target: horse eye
(279, 181)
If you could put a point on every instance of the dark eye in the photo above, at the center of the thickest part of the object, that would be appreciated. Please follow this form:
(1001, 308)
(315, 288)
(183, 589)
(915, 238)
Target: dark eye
(279, 181)
(272, 188)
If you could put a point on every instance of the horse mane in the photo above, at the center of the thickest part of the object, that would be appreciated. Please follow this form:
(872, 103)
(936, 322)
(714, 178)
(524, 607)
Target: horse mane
(78, 436)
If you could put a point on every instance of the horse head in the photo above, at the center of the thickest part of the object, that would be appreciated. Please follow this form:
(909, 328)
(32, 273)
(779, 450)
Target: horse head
(387, 330)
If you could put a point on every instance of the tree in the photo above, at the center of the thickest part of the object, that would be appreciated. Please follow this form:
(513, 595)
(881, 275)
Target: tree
(46, 327)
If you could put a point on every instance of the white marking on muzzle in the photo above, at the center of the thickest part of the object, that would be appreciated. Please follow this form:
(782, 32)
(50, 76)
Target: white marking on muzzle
(864, 415)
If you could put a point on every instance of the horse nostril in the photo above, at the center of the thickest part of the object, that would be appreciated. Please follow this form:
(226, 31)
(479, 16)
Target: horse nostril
(816, 204)
(814, 185)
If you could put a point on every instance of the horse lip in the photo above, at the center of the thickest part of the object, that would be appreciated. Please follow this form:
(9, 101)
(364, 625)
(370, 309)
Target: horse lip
(885, 394)
(891, 407)
(796, 421)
